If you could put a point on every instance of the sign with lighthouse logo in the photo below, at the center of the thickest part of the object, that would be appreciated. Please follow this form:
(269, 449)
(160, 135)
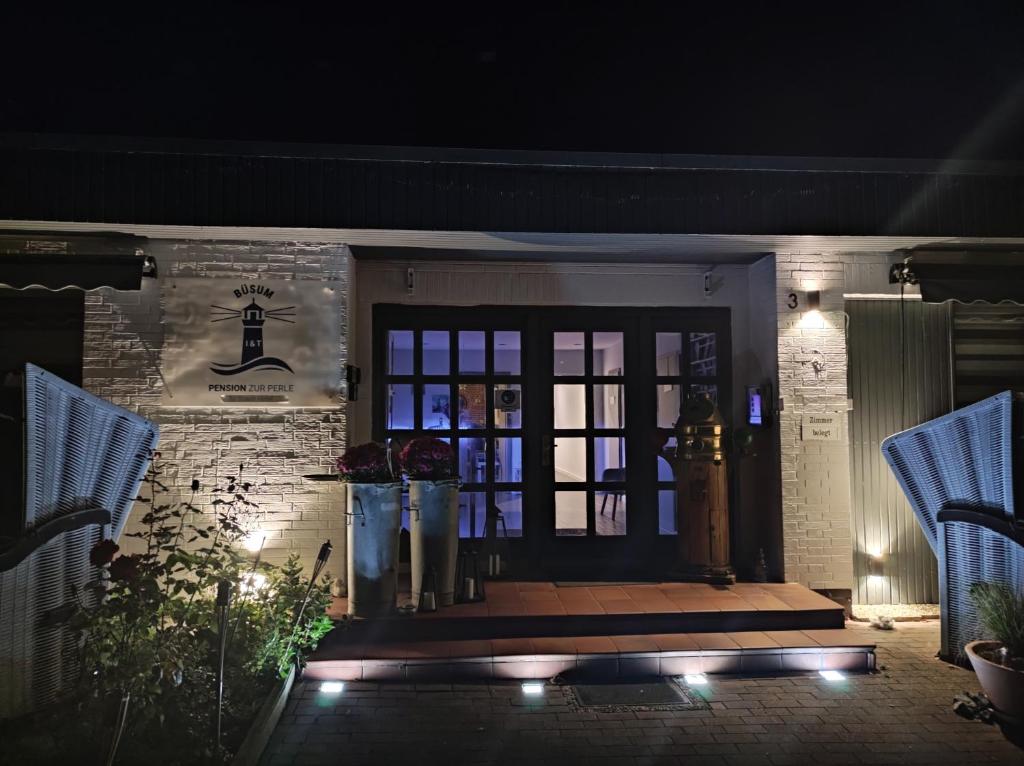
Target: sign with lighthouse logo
(268, 342)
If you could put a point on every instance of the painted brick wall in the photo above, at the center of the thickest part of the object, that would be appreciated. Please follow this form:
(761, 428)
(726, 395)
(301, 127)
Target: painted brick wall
(816, 497)
(124, 339)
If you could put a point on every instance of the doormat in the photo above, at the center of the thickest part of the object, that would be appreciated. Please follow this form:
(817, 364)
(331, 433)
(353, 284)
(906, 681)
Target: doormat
(600, 583)
(617, 698)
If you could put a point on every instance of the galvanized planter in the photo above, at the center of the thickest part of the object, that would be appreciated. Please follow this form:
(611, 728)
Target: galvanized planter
(374, 519)
(434, 537)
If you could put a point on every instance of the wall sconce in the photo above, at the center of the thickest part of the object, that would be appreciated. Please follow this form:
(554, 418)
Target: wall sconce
(875, 569)
(813, 300)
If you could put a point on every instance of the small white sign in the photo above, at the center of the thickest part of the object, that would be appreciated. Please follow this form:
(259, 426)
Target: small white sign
(823, 427)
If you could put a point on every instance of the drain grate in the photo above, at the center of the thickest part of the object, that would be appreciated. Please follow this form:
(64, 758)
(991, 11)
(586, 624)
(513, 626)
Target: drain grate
(655, 695)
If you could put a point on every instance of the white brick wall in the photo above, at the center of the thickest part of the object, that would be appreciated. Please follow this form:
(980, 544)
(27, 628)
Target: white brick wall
(816, 504)
(123, 342)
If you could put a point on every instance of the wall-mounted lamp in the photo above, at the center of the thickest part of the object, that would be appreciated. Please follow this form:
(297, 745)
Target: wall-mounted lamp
(353, 377)
(875, 568)
(813, 300)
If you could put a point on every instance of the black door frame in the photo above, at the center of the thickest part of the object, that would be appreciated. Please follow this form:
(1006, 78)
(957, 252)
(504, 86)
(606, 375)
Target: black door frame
(642, 552)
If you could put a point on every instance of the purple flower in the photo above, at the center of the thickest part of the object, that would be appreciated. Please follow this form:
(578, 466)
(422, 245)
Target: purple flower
(430, 459)
(368, 464)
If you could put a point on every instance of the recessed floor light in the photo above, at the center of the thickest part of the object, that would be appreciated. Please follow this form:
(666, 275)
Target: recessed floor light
(831, 675)
(332, 687)
(533, 687)
(695, 679)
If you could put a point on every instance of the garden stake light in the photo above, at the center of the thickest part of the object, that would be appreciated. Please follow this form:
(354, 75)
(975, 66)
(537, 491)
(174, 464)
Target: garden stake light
(223, 601)
(318, 567)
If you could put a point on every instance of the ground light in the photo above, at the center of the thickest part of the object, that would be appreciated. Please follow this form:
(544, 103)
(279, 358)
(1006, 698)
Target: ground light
(695, 679)
(831, 675)
(332, 687)
(533, 687)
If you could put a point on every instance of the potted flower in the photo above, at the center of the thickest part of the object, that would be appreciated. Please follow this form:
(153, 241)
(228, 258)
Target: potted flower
(433, 518)
(999, 662)
(374, 513)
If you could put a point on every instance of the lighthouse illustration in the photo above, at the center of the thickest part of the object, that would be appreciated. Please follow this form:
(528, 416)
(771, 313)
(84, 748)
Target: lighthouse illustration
(253, 318)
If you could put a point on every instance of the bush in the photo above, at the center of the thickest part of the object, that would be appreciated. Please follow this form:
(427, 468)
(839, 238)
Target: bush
(1001, 611)
(150, 630)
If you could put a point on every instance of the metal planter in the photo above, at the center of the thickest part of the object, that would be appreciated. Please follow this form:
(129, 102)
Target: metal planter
(434, 536)
(374, 515)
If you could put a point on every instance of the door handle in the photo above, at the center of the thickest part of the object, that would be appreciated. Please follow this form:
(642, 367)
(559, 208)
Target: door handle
(547, 450)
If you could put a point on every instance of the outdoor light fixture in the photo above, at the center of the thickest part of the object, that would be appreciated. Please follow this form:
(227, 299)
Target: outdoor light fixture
(533, 687)
(254, 540)
(831, 675)
(695, 679)
(875, 570)
(813, 300)
(332, 687)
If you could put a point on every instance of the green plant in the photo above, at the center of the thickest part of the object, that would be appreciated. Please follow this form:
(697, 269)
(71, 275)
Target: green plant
(151, 634)
(1001, 610)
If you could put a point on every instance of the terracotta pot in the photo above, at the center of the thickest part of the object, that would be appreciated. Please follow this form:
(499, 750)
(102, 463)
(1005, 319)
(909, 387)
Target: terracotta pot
(1003, 686)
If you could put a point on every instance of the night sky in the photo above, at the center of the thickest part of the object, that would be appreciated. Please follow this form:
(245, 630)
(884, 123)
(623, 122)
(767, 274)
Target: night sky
(892, 80)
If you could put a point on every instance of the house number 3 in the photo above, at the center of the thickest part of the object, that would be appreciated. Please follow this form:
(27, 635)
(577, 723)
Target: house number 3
(792, 302)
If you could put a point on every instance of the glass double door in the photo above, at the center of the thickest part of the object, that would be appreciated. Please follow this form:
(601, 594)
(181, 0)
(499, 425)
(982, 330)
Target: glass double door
(554, 415)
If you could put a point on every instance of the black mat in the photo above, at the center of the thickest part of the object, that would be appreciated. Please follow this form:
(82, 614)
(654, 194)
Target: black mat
(663, 694)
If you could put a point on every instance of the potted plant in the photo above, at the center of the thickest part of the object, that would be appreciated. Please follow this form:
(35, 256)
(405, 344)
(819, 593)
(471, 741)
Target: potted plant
(999, 662)
(433, 518)
(374, 508)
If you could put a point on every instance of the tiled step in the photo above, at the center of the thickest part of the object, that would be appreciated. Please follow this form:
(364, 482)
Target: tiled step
(606, 657)
(542, 609)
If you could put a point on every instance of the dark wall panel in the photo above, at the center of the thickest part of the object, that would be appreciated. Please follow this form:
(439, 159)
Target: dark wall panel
(158, 187)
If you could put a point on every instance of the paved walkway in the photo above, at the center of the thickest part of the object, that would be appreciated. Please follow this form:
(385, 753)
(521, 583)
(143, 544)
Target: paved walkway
(902, 714)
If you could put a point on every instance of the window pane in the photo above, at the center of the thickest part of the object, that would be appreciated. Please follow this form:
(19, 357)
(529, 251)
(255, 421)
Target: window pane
(399, 409)
(436, 409)
(608, 353)
(667, 512)
(508, 406)
(703, 362)
(610, 514)
(668, 351)
(508, 459)
(609, 458)
(570, 514)
(609, 407)
(472, 514)
(570, 459)
(668, 404)
(399, 352)
(664, 467)
(405, 512)
(711, 391)
(569, 353)
(506, 352)
(471, 351)
(436, 353)
(472, 457)
(472, 405)
(511, 506)
(570, 406)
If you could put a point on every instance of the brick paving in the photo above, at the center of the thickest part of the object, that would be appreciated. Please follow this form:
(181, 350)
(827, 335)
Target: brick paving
(901, 714)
